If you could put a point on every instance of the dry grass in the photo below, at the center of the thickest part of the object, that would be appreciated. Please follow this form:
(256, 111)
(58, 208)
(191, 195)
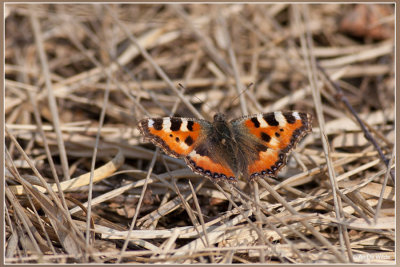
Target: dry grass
(79, 77)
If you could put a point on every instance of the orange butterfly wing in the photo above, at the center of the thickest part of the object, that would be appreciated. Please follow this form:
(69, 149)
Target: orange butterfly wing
(186, 138)
(276, 134)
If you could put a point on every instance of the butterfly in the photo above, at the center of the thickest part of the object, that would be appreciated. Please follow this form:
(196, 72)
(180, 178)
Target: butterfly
(247, 147)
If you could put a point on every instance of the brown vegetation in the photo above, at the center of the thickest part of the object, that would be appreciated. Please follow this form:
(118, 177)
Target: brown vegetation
(78, 78)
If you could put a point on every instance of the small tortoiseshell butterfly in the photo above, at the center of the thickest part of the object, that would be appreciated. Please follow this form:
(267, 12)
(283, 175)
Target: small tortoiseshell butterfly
(248, 147)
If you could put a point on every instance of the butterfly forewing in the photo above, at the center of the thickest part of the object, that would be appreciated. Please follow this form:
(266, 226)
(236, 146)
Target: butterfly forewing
(177, 136)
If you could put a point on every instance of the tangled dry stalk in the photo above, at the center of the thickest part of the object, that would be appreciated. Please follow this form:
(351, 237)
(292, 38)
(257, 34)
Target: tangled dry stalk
(80, 182)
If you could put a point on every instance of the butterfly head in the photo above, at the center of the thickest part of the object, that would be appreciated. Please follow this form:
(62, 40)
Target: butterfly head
(219, 117)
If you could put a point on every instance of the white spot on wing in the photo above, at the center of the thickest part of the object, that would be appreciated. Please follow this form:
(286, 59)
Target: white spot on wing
(280, 118)
(263, 123)
(270, 152)
(193, 154)
(296, 115)
(150, 123)
(184, 126)
(274, 142)
(183, 145)
(167, 125)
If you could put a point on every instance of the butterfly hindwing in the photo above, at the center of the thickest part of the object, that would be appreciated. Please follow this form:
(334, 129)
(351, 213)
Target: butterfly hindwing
(202, 161)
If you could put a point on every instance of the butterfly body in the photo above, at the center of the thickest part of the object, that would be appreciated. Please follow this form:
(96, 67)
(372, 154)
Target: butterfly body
(247, 147)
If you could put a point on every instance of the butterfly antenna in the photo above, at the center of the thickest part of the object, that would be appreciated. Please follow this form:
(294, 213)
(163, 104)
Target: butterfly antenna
(242, 92)
(181, 86)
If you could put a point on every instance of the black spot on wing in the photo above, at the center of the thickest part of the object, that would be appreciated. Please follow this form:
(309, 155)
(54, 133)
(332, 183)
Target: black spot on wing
(265, 137)
(189, 141)
(289, 118)
(177, 139)
(277, 134)
(270, 119)
(176, 124)
(255, 122)
(158, 124)
(190, 125)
